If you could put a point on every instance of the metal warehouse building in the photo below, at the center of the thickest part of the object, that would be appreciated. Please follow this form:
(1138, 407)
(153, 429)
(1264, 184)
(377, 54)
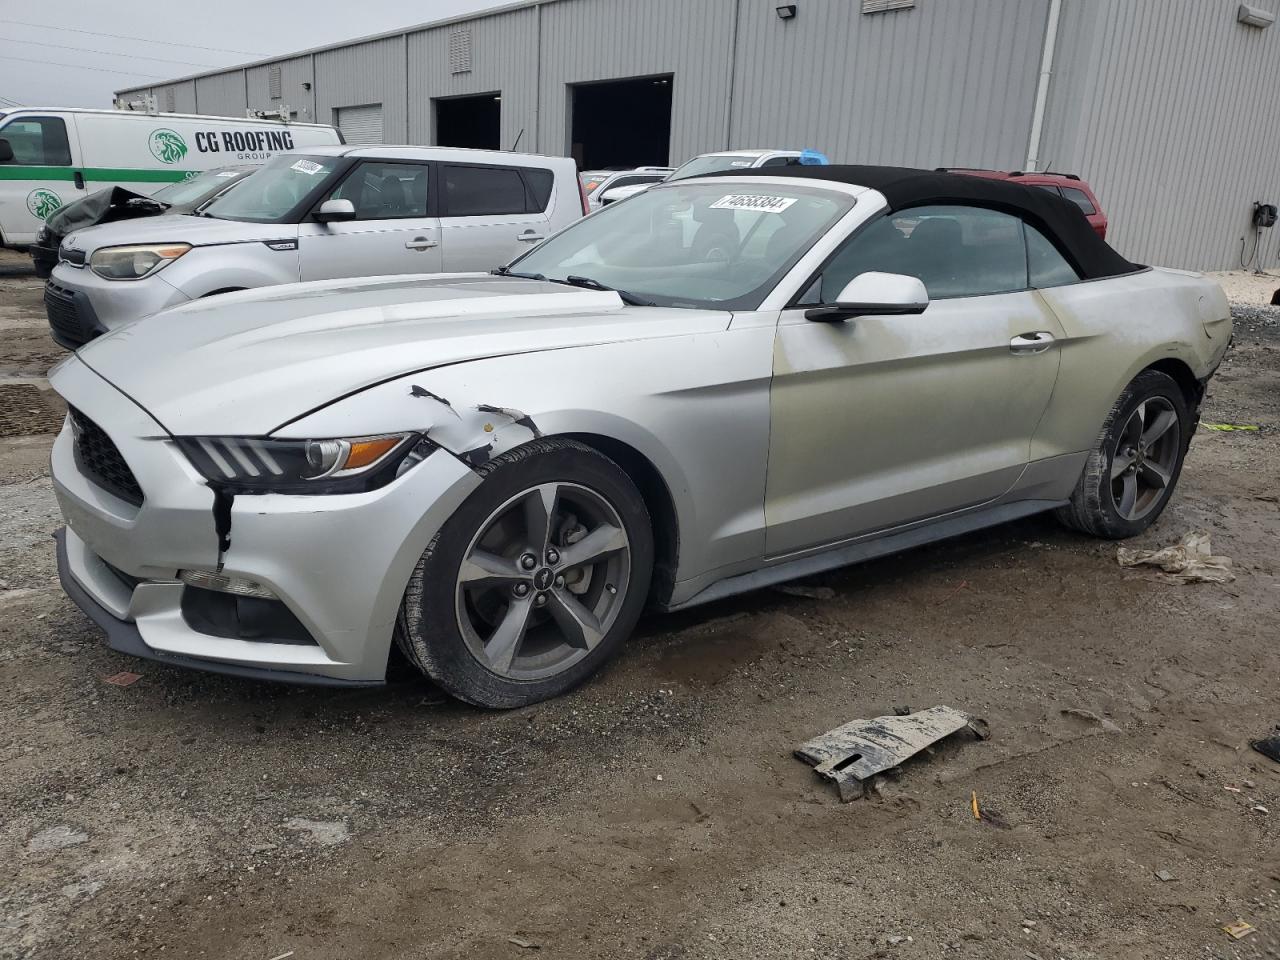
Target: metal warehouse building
(1162, 105)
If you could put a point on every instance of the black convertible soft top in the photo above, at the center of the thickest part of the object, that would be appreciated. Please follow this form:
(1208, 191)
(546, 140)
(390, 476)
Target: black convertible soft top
(1057, 218)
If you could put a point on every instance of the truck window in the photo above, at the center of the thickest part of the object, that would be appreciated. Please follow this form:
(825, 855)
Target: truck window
(38, 141)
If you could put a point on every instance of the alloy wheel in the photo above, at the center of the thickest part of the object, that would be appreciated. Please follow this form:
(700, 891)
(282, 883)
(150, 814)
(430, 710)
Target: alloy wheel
(543, 581)
(1145, 457)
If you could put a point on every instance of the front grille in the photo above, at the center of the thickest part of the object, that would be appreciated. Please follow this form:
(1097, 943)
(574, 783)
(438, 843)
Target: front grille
(100, 460)
(65, 322)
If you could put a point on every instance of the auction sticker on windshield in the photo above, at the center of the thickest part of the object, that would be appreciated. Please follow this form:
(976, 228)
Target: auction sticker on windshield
(752, 202)
(309, 167)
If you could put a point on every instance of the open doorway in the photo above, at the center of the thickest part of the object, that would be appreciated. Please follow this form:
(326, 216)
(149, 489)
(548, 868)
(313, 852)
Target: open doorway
(621, 123)
(474, 121)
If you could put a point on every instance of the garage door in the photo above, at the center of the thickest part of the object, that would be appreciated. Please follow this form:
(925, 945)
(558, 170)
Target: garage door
(361, 124)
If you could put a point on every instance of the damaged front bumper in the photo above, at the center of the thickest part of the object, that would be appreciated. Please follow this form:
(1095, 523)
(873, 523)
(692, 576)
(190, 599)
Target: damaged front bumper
(334, 567)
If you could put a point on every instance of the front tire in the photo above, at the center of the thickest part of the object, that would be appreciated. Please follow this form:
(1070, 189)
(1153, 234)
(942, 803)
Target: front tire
(1136, 461)
(535, 582)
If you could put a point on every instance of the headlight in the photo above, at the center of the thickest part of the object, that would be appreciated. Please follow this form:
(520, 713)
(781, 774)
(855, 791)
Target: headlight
(42, 234)
(136, 262)
(250, 465)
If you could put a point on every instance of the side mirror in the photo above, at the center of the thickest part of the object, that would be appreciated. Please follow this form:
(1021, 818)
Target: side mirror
(874, 294)
(6, 151)
(613, 196)
(335, 210)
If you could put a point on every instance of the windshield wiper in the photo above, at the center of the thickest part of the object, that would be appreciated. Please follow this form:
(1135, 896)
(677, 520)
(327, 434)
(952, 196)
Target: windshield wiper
(586, 282)
(508, 272)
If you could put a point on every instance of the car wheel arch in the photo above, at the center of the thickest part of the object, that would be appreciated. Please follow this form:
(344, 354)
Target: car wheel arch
(656, 493)
(1181, 374)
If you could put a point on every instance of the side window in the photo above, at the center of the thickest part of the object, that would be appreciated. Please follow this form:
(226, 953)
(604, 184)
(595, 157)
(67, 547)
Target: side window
(956, 251)
(1080, 199)
(385, 191)
(1048, 267)
(540, 181)
(38, 141)
(1048, 187)
(481, 191)
(779, 162)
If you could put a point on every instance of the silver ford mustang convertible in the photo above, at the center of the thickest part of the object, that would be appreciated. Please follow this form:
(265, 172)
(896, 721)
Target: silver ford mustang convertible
(719, 384)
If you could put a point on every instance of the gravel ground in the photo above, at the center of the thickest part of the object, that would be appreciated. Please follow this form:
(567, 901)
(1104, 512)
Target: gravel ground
(657, 813)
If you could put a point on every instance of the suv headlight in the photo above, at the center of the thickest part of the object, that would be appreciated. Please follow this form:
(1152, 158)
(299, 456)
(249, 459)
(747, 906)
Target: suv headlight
(135, 262)
(345, 465)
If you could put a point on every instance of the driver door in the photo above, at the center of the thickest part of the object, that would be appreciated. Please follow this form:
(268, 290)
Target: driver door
(880, 421)
(391, 234)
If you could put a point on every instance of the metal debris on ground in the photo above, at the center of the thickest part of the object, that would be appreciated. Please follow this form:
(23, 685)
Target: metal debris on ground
(1164, 876)
(1268, 747)
(122, 679)
(1227, 427)
(1191, 560)
(850, 755)
(524, 944)
(1239, 930)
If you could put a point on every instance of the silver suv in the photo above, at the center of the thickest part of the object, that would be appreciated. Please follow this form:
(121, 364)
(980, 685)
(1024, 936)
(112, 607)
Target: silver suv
(326, 213)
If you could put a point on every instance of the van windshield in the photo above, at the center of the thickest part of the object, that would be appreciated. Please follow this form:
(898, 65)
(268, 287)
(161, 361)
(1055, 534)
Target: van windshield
(273, 192)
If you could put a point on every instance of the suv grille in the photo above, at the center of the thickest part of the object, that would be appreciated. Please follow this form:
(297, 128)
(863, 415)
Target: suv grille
(101, 461)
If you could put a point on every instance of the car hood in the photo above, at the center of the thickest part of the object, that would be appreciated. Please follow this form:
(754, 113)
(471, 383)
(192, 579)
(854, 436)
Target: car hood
(176, 228)
(247, 363)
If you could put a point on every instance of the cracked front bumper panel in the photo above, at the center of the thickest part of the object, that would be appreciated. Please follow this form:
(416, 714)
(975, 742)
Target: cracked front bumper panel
(338, 563)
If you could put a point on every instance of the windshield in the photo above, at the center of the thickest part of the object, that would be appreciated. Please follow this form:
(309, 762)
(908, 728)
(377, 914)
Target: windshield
(591, 179)
(198, 187)
(722, 245)
(275, 189)
(713, 163)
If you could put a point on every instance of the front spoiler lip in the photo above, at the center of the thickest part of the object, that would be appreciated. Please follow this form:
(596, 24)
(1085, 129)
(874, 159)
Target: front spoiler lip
(124, 637)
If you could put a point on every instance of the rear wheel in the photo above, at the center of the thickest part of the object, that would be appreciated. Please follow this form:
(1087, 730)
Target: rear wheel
(1131, 472)
(535, 582)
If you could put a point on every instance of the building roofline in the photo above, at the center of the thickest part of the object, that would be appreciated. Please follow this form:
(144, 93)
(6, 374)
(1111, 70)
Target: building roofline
(311, 51)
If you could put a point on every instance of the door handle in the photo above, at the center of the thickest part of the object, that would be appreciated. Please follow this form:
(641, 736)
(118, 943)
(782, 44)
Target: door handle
(531, 237)
(79, 179)
(420, 243)
(1037, 342)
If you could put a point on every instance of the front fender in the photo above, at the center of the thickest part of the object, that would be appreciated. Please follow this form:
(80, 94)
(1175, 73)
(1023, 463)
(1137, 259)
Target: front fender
(696, 407)
(232, 266)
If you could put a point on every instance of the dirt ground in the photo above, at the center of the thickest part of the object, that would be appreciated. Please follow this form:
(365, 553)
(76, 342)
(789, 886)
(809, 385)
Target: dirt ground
(658, 813)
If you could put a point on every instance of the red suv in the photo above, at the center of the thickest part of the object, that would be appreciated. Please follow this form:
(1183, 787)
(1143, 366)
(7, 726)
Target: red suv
(1064, 184)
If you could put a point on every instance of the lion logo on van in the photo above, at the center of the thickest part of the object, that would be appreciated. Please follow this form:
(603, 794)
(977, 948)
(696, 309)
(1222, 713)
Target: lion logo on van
(42, 203)
(166, 145)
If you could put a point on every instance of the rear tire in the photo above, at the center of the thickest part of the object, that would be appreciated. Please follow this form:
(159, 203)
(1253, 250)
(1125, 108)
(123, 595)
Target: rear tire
(535, 582)
(1135, 463)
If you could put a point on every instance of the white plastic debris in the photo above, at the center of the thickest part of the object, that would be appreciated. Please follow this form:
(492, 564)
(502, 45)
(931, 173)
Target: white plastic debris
(1189, 561)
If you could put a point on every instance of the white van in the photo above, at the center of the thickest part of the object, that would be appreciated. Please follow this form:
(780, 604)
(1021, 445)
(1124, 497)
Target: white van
(51, 156)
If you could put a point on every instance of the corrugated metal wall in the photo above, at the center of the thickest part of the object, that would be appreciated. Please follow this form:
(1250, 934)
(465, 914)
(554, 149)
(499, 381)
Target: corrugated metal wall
(1165, 107)
(944, 83)
(1161, 104)
(365, 73)
(294, 72)
(221, 94)
(590, 40)
(504, 59)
